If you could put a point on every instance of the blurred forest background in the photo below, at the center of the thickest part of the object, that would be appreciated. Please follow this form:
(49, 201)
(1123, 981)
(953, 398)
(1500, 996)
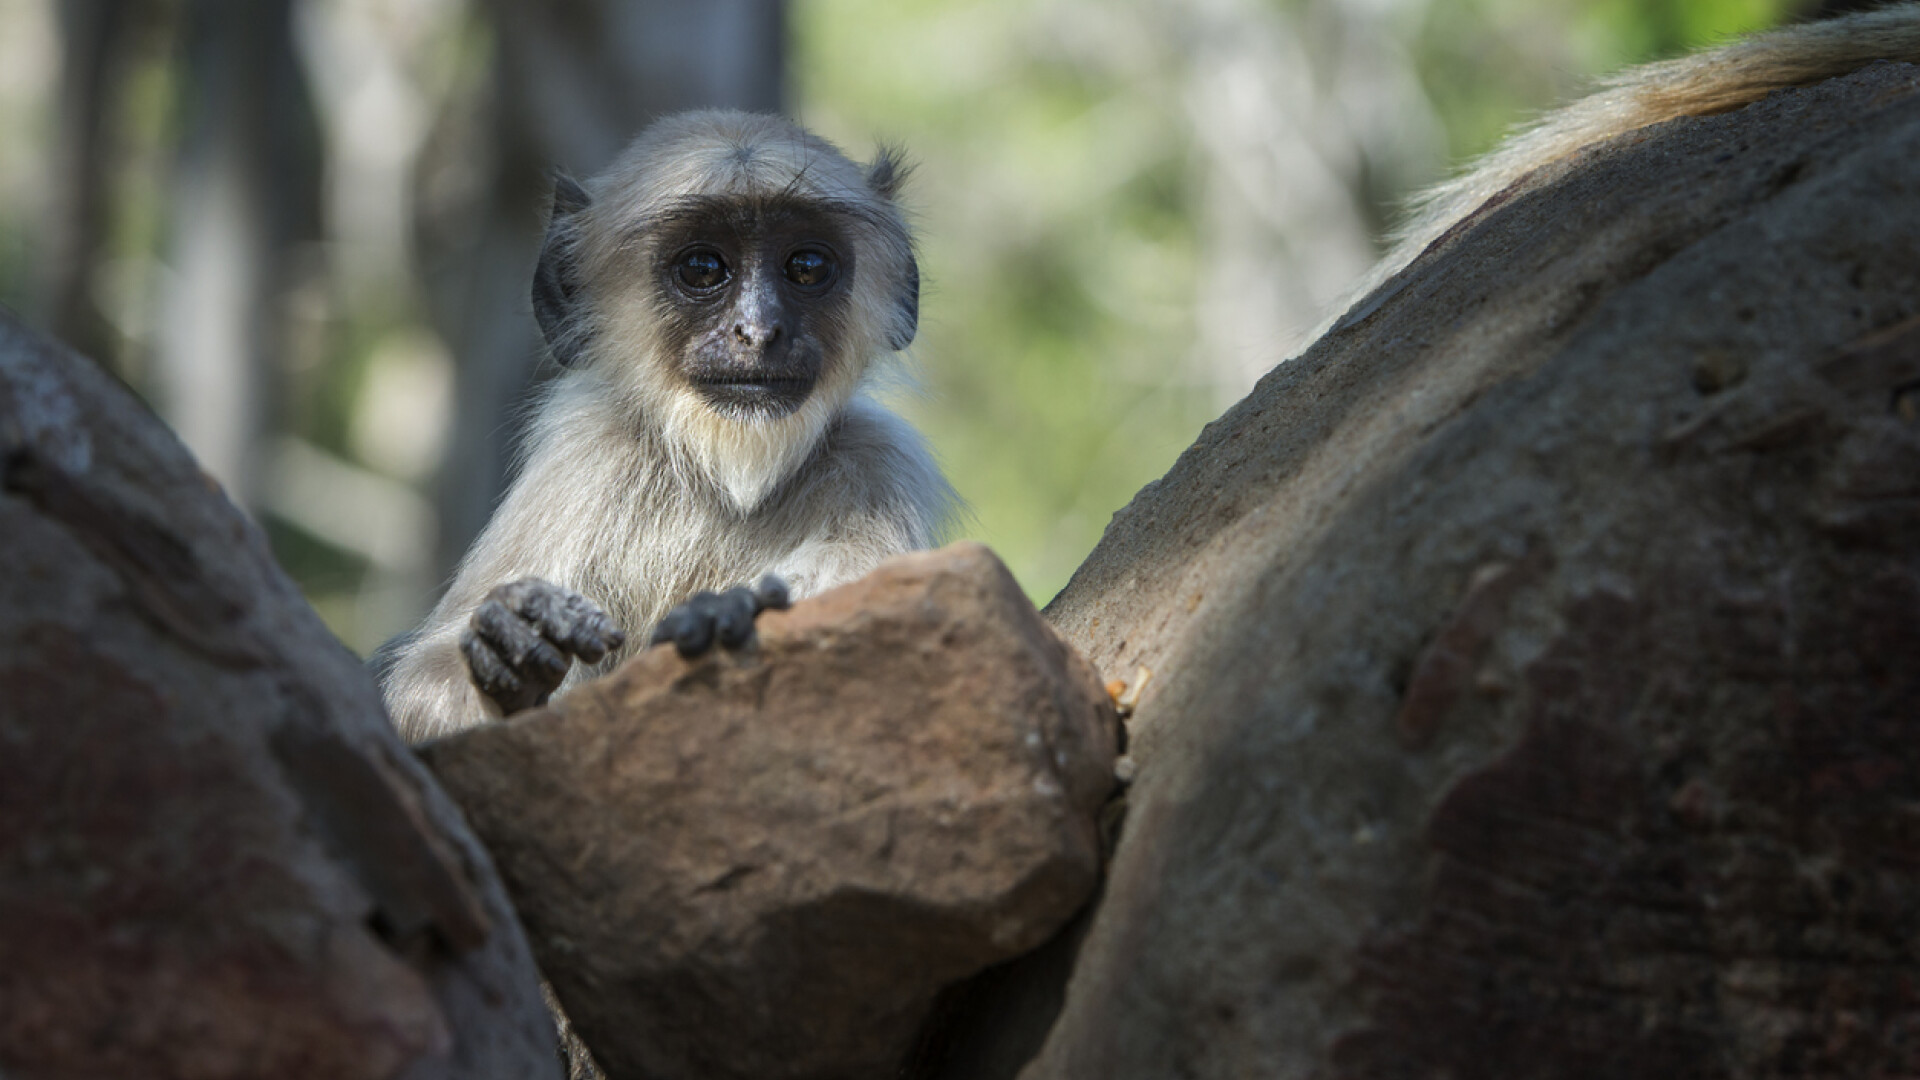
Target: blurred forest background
(304, 229)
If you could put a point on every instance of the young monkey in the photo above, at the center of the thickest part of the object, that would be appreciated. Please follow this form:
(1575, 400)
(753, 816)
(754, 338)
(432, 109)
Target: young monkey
(716, 299)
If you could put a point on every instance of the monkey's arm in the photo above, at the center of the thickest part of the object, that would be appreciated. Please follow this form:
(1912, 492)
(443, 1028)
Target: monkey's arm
(425, 683)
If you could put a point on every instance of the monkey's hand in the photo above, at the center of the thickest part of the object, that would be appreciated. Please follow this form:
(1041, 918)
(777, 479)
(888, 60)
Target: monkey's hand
(524, 636)
(725, 617)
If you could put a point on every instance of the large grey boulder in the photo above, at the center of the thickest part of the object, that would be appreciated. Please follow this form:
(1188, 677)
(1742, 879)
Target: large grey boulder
(216, 857)
(1536, 660)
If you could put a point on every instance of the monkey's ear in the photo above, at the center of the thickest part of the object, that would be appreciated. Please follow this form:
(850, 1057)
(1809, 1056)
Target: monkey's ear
(885, 177)
(888, 173)
(568, 196)
(908, 322)
(556, 282)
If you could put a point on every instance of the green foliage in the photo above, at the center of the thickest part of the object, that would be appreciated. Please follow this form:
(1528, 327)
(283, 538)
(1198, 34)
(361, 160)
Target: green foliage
(1060, 211)
(1063, 207)
(1489, 64)
(1058, 252)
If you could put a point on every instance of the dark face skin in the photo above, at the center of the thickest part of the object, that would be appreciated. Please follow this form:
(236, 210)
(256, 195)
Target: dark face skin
(755, 297)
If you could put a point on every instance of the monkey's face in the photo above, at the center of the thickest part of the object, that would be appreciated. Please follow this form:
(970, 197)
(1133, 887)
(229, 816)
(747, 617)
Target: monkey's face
(754, 300)
(707, 288)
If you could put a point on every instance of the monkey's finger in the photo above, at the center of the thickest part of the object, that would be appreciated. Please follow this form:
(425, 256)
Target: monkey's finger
(733, 613)
(564, 617)
(593, 642)
(694, 635)
(494, 678)
(684, 627)
(689, 626)
(772, 594)
(585, 630)
(519, 644)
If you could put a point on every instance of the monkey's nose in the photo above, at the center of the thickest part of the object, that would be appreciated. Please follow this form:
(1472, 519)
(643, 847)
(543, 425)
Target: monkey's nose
(756, 334)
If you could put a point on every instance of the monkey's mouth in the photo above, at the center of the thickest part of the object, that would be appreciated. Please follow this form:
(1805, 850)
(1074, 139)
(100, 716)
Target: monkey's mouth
(754, 395)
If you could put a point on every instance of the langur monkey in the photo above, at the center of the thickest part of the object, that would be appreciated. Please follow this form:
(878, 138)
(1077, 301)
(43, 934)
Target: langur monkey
(717, 300)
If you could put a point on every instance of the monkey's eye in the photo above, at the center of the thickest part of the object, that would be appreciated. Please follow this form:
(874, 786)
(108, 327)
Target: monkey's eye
(701, 270)
(809, 268)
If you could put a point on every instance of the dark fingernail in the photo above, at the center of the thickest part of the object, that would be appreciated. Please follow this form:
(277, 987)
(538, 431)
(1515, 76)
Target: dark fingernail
(671, 627)
(696, 637)
(550, 661)
(734, 629)
(772, 593)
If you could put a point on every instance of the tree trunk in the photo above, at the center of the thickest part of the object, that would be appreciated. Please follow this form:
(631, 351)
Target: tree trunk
(244, 190)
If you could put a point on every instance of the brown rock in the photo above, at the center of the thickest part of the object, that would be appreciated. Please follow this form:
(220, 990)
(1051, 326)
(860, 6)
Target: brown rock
(1537, 659)
(766, 864)
(216, 858)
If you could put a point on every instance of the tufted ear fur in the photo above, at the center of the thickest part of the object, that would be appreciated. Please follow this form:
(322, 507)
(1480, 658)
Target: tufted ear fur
(885, 177)
(556, 284)
(909, 301)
